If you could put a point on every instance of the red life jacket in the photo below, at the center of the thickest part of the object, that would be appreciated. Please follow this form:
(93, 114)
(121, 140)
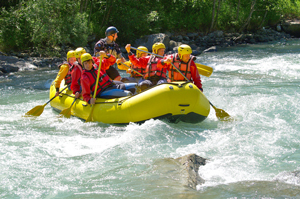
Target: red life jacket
(104, 81)
(185, 68)
(152, 69)
(68, 78)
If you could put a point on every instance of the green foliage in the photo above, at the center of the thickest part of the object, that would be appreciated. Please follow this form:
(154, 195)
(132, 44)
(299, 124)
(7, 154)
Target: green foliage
(51, 25)
(15, 30)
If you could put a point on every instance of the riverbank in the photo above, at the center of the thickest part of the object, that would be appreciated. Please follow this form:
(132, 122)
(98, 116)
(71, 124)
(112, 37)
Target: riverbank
(18, 61)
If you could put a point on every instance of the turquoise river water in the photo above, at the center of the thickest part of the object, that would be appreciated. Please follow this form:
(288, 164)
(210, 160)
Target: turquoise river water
(256, 156)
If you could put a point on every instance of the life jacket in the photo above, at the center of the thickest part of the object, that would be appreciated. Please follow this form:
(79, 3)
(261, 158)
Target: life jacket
(185, 68)
(68, 78)
(111, 48)
(152, 69)
(104, 81)
(138, 69)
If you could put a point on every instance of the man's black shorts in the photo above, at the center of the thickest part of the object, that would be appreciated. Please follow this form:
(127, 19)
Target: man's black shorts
(112, 72)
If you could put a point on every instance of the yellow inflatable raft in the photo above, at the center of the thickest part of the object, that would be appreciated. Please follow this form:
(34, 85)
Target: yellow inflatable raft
(180, 101)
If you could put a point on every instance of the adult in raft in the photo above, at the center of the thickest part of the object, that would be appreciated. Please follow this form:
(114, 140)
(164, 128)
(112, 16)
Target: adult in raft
(65, 71)
(76, 72)
(134, 77)
(109, 45)
(153, 74)
(106, 88)
(184, 61)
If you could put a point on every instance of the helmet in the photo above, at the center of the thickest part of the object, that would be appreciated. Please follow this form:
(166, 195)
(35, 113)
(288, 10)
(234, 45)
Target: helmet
(111, 30)
(158, 46)
(184, 50)
(70, 54)
(139, 53)
(79, 51)
(86, 57)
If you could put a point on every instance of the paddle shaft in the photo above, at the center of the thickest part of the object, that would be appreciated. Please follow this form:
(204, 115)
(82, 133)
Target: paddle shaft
(98, 75)
(131, 69)
(56, 96)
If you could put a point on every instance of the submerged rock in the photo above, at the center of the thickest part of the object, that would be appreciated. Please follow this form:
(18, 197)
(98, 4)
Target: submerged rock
(190, 166)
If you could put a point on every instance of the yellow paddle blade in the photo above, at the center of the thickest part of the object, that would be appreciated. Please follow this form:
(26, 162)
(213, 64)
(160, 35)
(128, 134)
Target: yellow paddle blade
(36, 111)
(65, 113)
(222, 115)
(90, 118)
(122, 67)
(204, 70)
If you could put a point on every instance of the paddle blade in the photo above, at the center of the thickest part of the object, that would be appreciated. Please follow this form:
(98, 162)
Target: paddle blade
(204, 70)
(90, 118)
(65, 113)
(36, 111)
(223, 115)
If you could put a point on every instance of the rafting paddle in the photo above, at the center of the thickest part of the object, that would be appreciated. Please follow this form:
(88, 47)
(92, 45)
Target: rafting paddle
(221, 114)
(90, 118)
(131, 69)
(67, 112)
(38, 110)
(204, 70)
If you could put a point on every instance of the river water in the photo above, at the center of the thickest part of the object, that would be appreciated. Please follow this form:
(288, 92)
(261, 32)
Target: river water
(256, 156)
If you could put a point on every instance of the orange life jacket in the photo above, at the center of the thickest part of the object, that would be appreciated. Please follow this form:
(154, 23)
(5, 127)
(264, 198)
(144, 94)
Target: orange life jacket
(152, 69)
(185, 68)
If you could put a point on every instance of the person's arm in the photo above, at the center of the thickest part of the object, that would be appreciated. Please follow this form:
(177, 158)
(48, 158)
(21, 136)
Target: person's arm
(98, 47)
(85, 86)
(107, 61)
(75, 74)
(165, 62)
(195, 75)
(141, 62)
(63, 71)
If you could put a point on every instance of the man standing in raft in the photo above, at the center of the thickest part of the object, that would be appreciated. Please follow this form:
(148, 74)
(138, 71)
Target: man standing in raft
(153, 74)
(184, 61)
(110, 47)
(106, 88)
(76, 72)
(65, 71)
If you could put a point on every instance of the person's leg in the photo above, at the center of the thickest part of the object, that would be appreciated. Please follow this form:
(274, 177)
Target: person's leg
(161, 81)
(145, 84)
(113, 73)
(113, 92)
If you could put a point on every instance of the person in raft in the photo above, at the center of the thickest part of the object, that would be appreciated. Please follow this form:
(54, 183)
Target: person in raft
(134, 77)
(76, 72)
(65, 71)
(184, 61)
(153, 74)
(106, 88)
(109, 45)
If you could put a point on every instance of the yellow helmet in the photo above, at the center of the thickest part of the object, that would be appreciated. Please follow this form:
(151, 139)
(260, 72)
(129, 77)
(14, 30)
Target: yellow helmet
(70, 54)
(85, 57)
(139, 53)
(158, 46)
(184, 50)
(79, 51)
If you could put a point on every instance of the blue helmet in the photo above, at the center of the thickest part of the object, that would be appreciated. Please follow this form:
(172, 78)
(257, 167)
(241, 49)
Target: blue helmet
(111, 30)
